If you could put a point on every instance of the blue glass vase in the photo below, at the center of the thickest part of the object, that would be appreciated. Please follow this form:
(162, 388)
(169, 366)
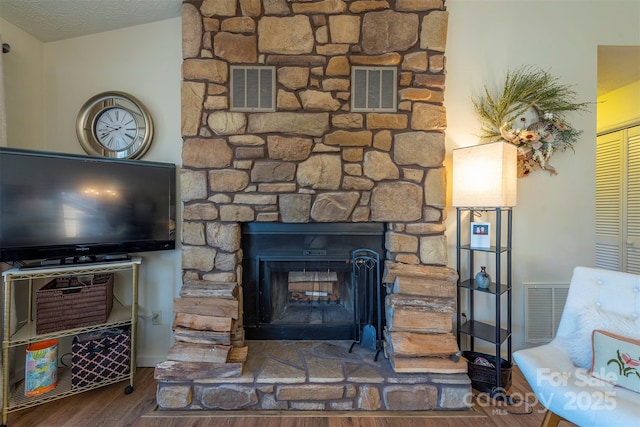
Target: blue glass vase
(483, 280)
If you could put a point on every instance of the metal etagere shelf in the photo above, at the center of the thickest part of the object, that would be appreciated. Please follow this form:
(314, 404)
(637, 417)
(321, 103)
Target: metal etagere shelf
(498, 333)
(15, 400)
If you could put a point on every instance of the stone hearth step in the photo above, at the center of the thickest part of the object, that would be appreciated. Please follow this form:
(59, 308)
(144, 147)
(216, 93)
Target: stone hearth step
(314, 375)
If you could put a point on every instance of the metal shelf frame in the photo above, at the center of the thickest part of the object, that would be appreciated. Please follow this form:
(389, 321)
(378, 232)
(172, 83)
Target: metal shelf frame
(500, 287)
(120, 316)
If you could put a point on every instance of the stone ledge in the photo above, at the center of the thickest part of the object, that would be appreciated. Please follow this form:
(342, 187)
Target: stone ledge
(286, 375)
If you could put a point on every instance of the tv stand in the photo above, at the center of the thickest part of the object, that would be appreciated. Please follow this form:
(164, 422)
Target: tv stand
(14, 399)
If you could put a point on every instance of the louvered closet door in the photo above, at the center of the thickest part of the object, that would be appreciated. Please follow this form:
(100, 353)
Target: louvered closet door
(618, 200)
(609, 182)
(633, 202)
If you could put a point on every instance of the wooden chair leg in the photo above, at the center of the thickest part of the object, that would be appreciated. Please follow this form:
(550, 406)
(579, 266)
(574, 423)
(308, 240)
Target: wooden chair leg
(551, 420)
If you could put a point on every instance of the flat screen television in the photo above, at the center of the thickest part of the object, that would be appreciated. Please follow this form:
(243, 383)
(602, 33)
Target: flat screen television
(64, 208)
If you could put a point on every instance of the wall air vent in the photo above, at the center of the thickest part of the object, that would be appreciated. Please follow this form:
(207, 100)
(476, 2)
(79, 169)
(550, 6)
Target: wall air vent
(374, 89)
(253, 88)
(543, 305)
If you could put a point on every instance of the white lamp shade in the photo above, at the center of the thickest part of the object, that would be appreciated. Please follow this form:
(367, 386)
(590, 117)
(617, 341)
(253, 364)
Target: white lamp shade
(485, 175)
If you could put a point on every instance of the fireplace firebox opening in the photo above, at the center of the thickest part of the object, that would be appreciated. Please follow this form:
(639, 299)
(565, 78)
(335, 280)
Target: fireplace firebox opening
(299, 280)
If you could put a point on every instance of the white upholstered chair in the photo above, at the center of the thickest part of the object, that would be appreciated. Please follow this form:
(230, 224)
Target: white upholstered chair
(600, 299)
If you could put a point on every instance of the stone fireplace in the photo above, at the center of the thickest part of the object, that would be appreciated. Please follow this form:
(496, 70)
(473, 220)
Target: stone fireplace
(311, 161)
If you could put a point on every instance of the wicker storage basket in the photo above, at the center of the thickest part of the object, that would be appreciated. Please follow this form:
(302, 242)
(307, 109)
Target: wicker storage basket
(67, 303)
(484, 377)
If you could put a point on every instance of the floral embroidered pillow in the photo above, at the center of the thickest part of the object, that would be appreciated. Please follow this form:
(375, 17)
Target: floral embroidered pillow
(616, 360)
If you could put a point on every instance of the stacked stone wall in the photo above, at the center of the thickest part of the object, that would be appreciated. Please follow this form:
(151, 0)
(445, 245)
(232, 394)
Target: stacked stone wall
(313, 159)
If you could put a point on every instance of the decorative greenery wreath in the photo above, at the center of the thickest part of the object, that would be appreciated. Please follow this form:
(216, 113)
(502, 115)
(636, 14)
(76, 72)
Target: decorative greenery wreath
(530, 114)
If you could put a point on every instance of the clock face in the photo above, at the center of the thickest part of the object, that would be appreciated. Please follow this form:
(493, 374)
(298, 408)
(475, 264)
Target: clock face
(116, 128)
(114, 124)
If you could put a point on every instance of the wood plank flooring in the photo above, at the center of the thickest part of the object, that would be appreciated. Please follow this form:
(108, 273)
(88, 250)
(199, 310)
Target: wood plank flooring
(109, 406)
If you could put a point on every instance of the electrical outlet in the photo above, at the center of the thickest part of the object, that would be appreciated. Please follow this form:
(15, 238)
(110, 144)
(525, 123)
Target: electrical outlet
(156, 317)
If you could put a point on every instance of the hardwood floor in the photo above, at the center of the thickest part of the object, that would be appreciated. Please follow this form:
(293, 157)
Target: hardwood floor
(109, 406)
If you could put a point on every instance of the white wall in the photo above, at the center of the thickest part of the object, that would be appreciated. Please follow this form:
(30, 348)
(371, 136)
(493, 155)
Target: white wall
(24, 89)
(553, 229)
(144, 61)
(48, 83)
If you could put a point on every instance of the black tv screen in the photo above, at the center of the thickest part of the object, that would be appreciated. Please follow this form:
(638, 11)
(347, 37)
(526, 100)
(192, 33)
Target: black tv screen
(79, 208)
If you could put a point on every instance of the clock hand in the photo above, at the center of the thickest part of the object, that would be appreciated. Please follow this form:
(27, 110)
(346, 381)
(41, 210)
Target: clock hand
(106, 132)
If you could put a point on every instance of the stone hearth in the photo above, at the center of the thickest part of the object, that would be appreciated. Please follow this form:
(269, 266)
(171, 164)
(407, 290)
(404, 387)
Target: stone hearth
(318, 375)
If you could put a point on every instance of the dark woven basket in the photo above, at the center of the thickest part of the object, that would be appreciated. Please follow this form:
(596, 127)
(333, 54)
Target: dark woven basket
(99, 356)
(484, 377)
(67, 303)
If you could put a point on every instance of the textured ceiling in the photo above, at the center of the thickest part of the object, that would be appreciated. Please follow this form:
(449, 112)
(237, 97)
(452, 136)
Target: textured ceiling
(52, 20)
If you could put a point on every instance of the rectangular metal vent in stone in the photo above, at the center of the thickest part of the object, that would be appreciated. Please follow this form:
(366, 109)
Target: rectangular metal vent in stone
(253, 88)
(373, 89)
(543, 305)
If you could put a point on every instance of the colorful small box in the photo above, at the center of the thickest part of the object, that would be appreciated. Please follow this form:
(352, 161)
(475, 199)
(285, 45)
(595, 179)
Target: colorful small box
(41, 367)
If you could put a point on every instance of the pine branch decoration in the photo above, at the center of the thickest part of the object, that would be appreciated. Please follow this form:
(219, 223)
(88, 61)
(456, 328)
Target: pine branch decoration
(524, 90)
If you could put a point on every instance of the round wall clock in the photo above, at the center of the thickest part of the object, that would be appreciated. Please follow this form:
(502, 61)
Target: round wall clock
(114, 124)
